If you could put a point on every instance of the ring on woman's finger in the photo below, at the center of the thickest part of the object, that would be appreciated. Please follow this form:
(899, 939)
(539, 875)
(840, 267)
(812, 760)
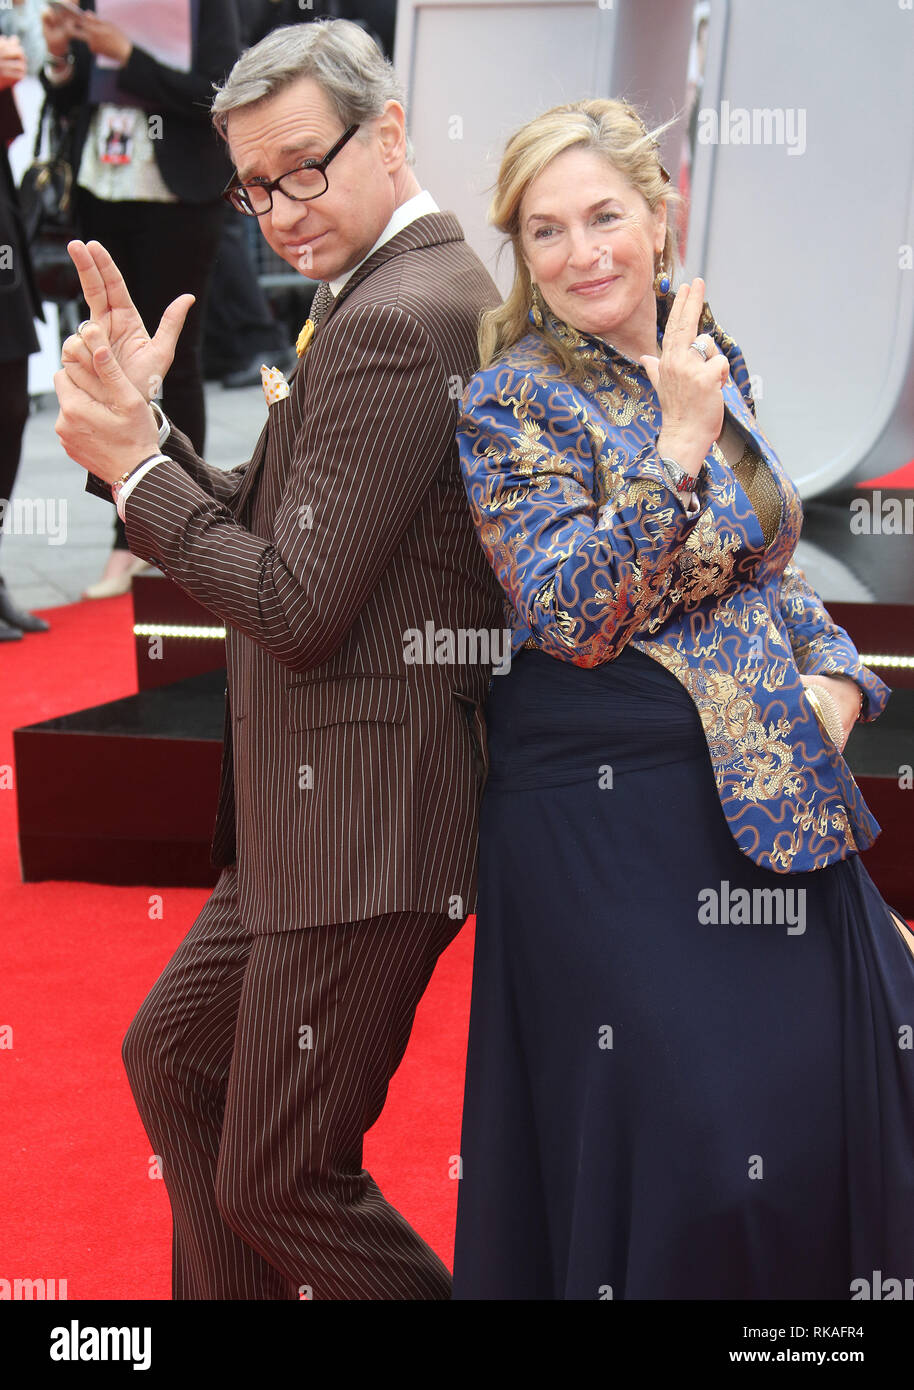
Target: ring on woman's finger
(79, 329)
(699, 346)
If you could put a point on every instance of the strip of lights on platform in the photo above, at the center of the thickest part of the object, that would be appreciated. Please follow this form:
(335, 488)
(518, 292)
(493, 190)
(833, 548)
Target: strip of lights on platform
(218, 634)
(160, 630)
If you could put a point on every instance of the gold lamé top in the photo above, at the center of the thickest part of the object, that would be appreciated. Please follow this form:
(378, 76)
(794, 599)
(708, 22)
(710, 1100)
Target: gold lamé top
(757, 481)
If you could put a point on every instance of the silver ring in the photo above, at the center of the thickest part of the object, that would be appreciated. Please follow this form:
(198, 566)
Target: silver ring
(79, 330)
(700, 347)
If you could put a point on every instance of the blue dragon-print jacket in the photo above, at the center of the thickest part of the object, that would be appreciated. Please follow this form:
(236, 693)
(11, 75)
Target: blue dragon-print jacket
(593, 550)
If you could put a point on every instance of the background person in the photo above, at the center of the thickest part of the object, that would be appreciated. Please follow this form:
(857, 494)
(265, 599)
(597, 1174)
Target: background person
(154, 199)
(21, 50)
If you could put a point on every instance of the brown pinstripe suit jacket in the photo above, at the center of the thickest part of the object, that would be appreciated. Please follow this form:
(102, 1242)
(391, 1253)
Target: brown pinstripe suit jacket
(350, 778)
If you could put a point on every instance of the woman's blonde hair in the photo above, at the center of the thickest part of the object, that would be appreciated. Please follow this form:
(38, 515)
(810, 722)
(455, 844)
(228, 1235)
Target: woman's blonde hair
(613, 129)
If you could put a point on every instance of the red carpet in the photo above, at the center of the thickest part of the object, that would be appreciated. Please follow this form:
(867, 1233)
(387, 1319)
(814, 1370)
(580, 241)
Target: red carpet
(901, 478)
(76, 960)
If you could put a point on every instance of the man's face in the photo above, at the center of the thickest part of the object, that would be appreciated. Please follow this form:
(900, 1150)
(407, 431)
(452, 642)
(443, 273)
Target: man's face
(329, 235)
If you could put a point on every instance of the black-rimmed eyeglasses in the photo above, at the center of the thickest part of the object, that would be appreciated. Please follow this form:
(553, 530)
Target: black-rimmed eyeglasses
(308, 180)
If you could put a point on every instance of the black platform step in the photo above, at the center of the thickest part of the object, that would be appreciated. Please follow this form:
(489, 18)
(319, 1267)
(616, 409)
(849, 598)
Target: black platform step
(124, 792)
(174, 636)
(881, 757)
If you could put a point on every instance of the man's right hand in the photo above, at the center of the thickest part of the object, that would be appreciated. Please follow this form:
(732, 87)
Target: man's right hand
(59, 28)
(144, 360)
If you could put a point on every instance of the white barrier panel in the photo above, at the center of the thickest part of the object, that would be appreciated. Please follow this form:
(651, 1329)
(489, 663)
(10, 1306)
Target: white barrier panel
(802, 213)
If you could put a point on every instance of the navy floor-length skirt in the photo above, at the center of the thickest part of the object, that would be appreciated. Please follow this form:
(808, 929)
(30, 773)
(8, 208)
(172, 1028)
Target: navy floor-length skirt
(656, 1106)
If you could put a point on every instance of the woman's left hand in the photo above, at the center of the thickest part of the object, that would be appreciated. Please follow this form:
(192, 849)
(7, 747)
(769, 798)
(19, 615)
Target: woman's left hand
(846, 695)
(104, 39)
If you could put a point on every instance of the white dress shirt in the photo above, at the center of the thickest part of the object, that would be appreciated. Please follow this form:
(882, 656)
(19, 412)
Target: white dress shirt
(418, 206)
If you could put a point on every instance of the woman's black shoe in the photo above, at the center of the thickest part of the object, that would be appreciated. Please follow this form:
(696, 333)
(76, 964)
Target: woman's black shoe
(8, 633)
(17, 618)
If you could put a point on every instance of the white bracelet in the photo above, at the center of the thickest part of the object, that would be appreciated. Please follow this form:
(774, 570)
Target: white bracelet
(163, 426)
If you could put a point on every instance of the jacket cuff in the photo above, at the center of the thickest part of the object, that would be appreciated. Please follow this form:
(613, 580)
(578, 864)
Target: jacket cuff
(136, 73)
(645, 473)
(126, 488)
(836, 663)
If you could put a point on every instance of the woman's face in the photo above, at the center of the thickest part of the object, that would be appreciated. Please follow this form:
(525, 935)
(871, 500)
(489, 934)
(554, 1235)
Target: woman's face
(590, 241)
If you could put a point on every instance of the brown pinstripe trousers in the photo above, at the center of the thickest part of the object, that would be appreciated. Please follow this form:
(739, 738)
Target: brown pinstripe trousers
(259, 1123)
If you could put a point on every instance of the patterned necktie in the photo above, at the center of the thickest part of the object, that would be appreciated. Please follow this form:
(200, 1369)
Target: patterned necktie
(321, 305)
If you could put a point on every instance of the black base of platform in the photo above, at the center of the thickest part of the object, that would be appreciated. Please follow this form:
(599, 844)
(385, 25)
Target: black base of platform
(125, 792)
(880, 756)
(159, 606)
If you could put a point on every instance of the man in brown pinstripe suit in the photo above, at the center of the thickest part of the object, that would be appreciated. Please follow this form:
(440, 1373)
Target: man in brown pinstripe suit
(346, 828)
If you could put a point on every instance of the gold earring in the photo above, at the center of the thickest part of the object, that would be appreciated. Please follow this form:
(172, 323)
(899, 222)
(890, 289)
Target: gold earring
(536, 309)
(661, 280)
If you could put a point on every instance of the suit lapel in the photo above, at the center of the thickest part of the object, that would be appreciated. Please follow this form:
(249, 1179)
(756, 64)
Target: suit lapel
(430, 230)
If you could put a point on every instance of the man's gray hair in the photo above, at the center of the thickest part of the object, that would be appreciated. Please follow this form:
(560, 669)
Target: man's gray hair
(338, 55)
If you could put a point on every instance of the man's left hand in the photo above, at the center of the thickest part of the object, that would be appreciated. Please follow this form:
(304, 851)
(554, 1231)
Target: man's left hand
(105, 423)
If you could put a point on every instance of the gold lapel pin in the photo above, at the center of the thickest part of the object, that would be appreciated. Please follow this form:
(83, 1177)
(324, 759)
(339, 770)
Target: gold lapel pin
(304, 338)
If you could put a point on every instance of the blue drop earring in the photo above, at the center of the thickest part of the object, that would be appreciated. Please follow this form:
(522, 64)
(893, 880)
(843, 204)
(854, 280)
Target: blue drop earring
(536, 307)
(662, 282)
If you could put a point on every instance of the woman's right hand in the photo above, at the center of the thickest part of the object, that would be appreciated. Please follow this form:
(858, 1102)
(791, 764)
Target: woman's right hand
(689, 389)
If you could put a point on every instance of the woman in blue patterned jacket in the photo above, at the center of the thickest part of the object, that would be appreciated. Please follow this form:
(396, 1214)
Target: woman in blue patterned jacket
(687, 1072)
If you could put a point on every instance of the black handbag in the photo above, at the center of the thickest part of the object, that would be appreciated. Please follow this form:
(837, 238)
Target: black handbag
(48, 212)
